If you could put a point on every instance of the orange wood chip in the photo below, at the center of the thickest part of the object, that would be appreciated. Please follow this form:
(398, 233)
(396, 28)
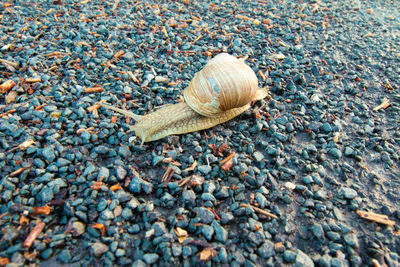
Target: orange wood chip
(99, 226)
(33, 80)
(96, 185)
(227, 166)
(4, 261)
(119, 54)
(385, 103)
(6, 86)
(115, 187)
(96, 89)
(34, 233)
(41, 210)
(23, 220)
(227, 158)
(379, 218)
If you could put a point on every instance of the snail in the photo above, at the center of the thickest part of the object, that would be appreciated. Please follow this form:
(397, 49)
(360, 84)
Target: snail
(222, 90)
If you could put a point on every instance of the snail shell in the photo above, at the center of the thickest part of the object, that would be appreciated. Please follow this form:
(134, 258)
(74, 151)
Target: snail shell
(224, 83)
(222, 90)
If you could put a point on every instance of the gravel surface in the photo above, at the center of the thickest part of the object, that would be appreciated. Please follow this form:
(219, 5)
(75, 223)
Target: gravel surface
(78, 189)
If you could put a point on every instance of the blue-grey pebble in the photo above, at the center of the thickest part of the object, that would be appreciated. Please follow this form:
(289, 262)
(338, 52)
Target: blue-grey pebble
(48, 153)
(127, 214)
(223, 255)
(226, 217)
(266, 250)
(205, 169)
(351, 240)
(189, 197)
(289, 256)
(139, 263)
(318, 232)
(99, 248)
(121, 172)
(325, 261)
(221, 234)
(46, 194)
(61, 162)
(104, 173)
(258, 156)
(134, 229)
(64, 256)
(222, 193)
(205, 215)
(207, 231)
(335, 153)
(122, 196)
(159, 228)
(176, 249)
(208, 197)
(124, 152)
(102, 205)
(326, 128)
(187, 251)
(101, 149)
(347, 193)
(303, 260)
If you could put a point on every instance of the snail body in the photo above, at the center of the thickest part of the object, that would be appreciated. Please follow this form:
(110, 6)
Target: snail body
(222, 90)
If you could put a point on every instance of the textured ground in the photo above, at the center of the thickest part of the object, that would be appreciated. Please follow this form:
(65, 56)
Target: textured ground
(313, 154)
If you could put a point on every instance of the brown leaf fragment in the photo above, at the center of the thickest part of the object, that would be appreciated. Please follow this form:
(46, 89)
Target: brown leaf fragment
(172, 22)
(183, 181)
(227, 166)
(207, 254)
(222, 148)
(167, 175)
(30, 255)
(81, 130)
(11, 66)
(27, 143)
(385, 103)
(34, 233)
(96, 89)
(18, 172)
(6, 86)
(181, 234)
(215, 214)
(94, 109)
(196, 180)
(192, 167)
(11, 96)
(375, 217)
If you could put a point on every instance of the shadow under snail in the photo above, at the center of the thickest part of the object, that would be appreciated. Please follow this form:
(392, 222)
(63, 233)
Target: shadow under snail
(222, 90)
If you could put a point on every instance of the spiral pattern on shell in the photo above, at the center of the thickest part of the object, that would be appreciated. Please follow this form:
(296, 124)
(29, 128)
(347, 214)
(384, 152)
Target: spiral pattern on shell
(224, 83)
